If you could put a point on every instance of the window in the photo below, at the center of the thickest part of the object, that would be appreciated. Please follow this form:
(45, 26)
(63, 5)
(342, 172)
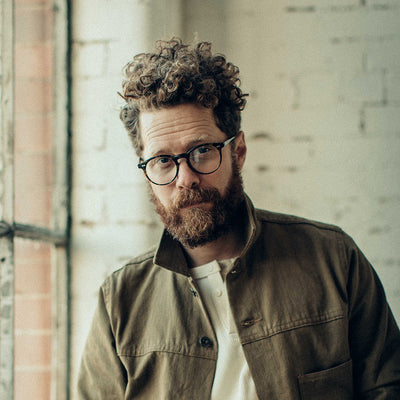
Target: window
(34, 200)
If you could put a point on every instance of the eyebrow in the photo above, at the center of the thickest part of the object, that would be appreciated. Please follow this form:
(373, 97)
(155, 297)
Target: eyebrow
(189, 146)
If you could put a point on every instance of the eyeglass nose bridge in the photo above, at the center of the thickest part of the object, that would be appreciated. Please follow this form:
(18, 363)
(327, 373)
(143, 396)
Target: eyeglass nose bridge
(185, 156)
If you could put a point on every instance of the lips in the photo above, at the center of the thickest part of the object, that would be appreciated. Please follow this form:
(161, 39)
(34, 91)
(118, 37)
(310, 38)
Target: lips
(202, 205)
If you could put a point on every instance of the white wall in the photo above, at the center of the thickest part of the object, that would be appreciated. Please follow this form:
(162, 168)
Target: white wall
(322, 123)
(111, 216)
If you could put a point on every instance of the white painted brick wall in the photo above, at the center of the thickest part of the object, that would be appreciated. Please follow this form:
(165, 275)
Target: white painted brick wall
(322, 123)
(112, 217)
(323, 118)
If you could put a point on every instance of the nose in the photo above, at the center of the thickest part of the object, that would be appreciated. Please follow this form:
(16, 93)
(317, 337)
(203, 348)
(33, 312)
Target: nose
(186, 178)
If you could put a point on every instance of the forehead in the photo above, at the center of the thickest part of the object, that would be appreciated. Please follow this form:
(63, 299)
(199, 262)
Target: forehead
(176, 128)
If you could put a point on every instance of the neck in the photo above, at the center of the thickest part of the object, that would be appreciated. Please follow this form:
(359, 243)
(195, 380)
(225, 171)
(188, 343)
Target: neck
(227, 246)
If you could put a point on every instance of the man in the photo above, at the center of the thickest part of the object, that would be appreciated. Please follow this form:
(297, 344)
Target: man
(234, 302)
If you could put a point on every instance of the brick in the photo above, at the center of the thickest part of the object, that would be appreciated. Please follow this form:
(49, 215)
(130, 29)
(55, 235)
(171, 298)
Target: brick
(130, 204)
(339, 121)
(89, 205)
(126, 171)
(382, 121)
(117, 137)
(91, 170)
(19, 3)
(89, 59)
(32, 277)
(107, 14)
(33, 61)
(362, 87)
(383, 4)
(92, 132)
(323, 3)
(380, 237)
(332, 167)
(28, 250)
(383, 55)
(302, 55)
(343, 56)
(317, 89)
(33, 96)
(32, 385)
(118, 54)
(300, 9)
(33, 170)
(90, 96)
(363, 23)
(279, 156)
(32, 312)
(345, 169)
(33, 206)
(106, 246)
(33, 25)
(393, 87)
(33, 132)
(32, 350)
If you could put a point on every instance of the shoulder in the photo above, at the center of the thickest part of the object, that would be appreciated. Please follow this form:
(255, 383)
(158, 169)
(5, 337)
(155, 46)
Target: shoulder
(133, 271)
(299, 232)
(292, 225)
(292, 220)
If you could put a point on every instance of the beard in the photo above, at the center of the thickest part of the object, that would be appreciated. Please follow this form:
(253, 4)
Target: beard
(194, 226)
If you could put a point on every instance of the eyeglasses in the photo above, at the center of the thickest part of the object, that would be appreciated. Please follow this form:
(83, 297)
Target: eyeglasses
(204, 159)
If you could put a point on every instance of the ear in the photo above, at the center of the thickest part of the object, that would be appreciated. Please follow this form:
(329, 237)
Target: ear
(240, 149)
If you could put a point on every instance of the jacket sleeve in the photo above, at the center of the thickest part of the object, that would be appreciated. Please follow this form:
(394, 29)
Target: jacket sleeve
(373, 333)
(101, 375)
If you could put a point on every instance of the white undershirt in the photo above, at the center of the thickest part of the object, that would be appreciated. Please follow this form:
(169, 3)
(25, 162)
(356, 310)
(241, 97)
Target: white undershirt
(232, 380)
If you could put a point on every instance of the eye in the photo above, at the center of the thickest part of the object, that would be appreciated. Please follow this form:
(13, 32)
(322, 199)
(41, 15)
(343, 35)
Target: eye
(203, 153)
(162, 162)
(203, 149)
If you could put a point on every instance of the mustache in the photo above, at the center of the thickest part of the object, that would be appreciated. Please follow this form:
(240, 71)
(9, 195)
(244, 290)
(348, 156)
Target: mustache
(191, 197)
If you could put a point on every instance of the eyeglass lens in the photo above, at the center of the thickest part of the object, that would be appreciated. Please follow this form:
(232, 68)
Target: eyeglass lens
(203, 159)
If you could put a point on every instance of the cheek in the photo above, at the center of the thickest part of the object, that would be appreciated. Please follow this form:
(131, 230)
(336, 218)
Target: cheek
(224, 176)
(162, 193)
(218, 180)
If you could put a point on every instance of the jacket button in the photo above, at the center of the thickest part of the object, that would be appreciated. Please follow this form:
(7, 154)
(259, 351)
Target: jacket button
(206, 342)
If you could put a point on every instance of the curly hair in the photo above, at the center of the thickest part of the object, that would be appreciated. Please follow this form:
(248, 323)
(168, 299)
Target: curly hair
(177, 74)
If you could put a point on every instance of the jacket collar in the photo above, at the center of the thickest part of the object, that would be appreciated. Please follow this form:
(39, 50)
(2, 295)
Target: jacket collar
(170, 254)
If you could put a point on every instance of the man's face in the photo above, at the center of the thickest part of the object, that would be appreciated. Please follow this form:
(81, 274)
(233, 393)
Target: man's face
(195, 208)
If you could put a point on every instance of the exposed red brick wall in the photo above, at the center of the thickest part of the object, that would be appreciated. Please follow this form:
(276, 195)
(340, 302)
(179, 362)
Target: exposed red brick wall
(33, 193)
(33, 111)
(32, 320)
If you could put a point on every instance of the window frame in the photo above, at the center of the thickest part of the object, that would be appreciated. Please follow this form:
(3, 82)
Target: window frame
(59, 234)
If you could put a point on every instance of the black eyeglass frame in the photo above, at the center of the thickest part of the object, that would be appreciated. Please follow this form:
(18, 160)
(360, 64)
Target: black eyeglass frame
(219, 146)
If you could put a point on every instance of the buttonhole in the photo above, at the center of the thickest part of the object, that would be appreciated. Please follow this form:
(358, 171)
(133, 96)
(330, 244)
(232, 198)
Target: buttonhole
(250, 322)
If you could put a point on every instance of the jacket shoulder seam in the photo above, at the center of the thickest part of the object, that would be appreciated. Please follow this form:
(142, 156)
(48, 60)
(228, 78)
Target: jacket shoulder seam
(286, 219)
(149, 255)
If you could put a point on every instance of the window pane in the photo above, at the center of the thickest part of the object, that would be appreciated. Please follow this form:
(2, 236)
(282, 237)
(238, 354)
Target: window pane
(33, 111)
(33, 323)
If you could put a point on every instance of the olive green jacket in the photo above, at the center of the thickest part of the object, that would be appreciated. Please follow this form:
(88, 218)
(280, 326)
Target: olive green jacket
(310, 312)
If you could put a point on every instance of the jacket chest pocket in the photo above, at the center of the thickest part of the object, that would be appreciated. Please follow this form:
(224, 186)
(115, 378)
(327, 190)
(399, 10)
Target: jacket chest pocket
(330, 384)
